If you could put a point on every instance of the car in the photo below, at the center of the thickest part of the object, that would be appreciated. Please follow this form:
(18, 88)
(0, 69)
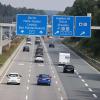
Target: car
(37, 41)
(51, 45)
(13, 78)
(26, 48)
(28, 42)
(44, 79)
(39, 59)
(68, 69)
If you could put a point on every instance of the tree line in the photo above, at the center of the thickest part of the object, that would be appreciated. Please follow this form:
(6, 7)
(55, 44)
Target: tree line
(81, 8)
(8, 13)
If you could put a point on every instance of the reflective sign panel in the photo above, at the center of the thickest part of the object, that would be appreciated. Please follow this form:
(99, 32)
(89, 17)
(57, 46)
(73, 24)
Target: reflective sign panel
(31, 24)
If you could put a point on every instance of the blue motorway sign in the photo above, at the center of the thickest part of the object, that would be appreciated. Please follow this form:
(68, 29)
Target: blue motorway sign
(28, 24)
(83, 26)
(62, 25)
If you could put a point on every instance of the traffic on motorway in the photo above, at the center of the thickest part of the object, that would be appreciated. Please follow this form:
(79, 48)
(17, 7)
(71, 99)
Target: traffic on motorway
(39, 64)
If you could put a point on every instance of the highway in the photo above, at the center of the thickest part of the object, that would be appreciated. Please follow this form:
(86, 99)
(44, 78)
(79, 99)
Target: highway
(23, 63)
(84, 84)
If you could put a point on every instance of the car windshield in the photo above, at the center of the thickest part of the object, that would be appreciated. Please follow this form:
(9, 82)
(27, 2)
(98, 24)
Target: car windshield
(69, 66)
(44, 76)
(13, 75)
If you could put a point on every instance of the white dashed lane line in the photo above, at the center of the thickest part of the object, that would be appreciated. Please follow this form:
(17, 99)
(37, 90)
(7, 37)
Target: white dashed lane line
(27, 87)
(86, 84)
(56, 82)
(89, 89)
(94, 95)
(21, 64)
(26, 97)
(62, 98)
(28, 81)
(83, 80)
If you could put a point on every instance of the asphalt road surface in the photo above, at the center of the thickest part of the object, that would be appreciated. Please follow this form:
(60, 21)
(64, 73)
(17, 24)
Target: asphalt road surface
(84, 84)
(23, 63)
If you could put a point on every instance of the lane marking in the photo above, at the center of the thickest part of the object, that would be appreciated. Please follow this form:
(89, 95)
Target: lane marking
(26, 97)
(27, 88)
(21, 64)
(28, 81)
(94, 95)
(82, 80)
(80, 76)
(29, 70)
(62, 98)
(53, 72)
(90, 89)
(54, 76)
(59, 89)
(56, 82)
(29, 75)
(86, 84)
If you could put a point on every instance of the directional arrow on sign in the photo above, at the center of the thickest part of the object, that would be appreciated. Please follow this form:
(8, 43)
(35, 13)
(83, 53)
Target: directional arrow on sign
(41, 32)
(22, 31)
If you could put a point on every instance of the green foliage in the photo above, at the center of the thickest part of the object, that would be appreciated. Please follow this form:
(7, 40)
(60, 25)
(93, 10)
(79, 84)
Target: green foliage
(8, 13)
(81, 8)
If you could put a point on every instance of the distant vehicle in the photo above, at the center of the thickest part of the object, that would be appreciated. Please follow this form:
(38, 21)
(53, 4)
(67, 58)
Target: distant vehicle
(28, 40)
(39, 59)
(13, 78)
(68, 69)
(37, 41)
(26, 48)
(44, 79)
(51, 45)
(64, 58)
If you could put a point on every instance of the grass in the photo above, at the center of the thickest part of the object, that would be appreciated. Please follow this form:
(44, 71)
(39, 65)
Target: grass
(7, 51)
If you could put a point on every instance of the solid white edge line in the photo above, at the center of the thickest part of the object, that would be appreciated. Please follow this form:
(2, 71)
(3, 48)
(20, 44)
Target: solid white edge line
(95, 96)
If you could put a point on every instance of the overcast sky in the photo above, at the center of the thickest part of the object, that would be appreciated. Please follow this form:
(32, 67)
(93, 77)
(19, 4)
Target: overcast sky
(58, 5)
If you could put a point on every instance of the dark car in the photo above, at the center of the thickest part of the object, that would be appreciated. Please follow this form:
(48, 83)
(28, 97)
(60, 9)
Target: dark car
(68, 69)
(44, 79)
(26, 48)
(51, 45)
(37, 41)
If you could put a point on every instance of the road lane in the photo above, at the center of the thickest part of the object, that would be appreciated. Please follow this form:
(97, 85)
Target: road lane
(28, 90)
(78, 86)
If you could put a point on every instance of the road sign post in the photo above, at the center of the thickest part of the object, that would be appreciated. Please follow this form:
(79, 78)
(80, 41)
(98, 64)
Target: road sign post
(63, 25)
(82, 26)
(28, 24)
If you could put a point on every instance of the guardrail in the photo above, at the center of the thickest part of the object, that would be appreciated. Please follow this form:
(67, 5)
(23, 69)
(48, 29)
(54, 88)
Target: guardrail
(92, 62)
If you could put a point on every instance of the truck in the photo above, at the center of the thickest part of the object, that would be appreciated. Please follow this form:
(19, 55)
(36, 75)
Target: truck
(64, 58)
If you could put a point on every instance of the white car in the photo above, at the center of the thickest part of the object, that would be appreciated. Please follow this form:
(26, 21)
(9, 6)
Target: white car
(13, 78)
(39, 59)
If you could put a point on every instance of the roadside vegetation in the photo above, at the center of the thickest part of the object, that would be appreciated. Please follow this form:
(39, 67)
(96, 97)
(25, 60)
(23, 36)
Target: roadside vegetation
(7, 51)
(8, 13)
(89, 46)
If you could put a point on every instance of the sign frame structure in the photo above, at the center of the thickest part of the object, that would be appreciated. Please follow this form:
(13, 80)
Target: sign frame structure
(83, 21)
(32, 15)
(66, 25)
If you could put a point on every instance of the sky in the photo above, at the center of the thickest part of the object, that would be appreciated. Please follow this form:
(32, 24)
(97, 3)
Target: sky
(58, 5)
